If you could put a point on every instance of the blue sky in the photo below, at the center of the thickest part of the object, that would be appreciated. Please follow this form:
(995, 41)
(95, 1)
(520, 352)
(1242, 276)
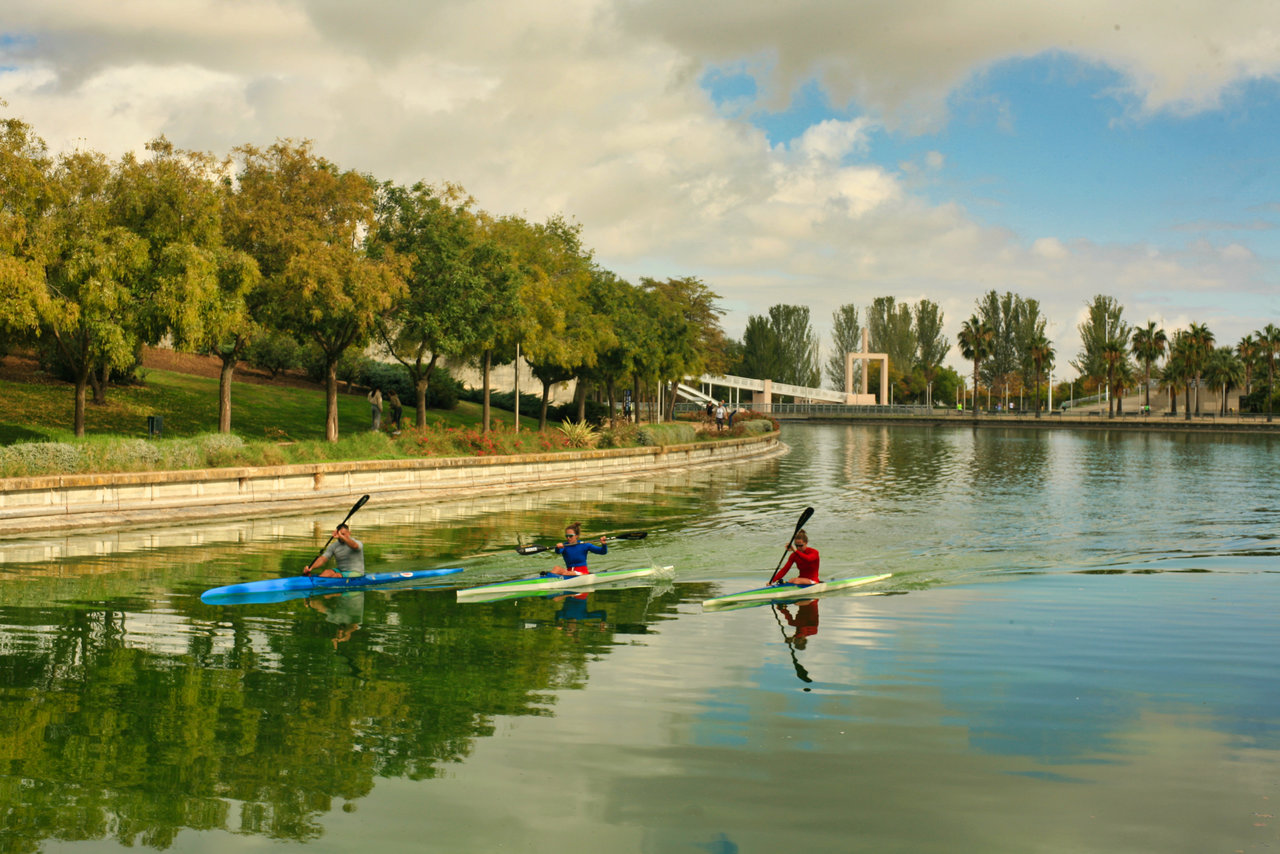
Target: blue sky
(1053, 146)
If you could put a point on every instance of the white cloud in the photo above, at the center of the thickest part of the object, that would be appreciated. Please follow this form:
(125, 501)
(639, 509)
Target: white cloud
(592, 108)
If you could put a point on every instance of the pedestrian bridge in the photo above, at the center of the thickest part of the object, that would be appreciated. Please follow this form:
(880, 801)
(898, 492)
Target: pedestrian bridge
(762, 391)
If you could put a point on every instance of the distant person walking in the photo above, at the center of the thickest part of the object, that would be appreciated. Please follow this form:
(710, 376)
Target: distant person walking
(375, 403)
(720, 414)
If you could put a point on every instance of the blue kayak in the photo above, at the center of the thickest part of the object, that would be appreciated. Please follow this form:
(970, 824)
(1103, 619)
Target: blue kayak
(278, 589)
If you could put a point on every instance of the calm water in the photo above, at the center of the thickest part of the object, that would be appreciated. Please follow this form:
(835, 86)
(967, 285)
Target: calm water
(1077, 652)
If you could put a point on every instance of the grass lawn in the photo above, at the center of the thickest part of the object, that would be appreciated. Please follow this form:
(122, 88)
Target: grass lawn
(44, 411)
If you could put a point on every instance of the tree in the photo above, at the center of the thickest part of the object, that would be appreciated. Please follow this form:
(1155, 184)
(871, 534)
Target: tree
(693, 339)
(1042, 354)
(931, 345)
(976, 339)
(195, 288)
(559, 327)
(797, 345)
(1248, 352)
(761, 350)
(437, 234)
(892, 332)
(1015, 322)
(1200, 346)
(846, 337)
(1148, 345)
(309, 226)
(1105, 323)
(1269, 345)
(633, 330)
(1117, 365)
(25, 177)
(88, 310)
(1179, 370)
(1225, 370)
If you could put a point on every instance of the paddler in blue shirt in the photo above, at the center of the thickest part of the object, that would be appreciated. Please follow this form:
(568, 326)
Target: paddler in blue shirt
(347, 553)
(575, 552)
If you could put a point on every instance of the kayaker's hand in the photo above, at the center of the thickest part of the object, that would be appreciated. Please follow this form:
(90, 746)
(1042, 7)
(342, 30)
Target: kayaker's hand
(602, 539)
(306, 570)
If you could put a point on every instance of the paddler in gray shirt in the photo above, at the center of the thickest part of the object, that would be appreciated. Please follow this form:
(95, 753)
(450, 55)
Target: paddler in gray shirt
(347, 553)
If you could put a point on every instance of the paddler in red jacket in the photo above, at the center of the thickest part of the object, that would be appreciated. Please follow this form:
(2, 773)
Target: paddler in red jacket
(804, 558)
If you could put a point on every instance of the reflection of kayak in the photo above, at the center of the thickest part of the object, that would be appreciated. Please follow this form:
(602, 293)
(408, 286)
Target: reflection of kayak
(791, 591)
(280, 589)
(545, 583)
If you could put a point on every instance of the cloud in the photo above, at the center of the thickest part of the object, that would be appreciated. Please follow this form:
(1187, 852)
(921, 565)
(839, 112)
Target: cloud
(594, 109)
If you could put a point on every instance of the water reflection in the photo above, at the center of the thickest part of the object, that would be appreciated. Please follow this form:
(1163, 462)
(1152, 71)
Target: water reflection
(1038, 650)
(804, 625)
(344, 610)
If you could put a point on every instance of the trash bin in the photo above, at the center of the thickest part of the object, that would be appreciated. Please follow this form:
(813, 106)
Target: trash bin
(155, 423)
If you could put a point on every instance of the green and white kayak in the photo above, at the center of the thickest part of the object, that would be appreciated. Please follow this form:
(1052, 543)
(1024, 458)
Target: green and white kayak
(546, 583)
(791, 591)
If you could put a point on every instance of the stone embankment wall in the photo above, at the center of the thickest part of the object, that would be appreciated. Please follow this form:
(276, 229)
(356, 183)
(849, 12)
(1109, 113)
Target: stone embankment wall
(31, 504)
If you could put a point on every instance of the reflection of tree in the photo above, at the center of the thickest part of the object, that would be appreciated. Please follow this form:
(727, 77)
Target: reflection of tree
(258, 725)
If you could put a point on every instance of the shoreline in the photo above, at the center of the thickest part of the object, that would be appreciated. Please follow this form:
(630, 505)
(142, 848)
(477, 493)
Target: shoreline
(54, 503)
(1253, 425)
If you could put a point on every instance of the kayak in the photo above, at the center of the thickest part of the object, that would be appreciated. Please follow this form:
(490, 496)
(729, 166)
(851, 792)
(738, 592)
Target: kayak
(295, 585)
(545, 583)
(791, 591)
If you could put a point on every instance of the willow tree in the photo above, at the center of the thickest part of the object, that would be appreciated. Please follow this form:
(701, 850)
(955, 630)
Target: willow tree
(308, 225)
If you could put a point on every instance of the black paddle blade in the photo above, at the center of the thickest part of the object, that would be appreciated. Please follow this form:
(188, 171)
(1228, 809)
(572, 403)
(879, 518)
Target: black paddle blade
(804, 517)
(631, 535)
(531, 550)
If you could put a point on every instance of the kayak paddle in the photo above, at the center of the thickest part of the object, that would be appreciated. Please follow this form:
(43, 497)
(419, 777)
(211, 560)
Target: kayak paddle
(354, 508)
(804, 517)
(625, 535)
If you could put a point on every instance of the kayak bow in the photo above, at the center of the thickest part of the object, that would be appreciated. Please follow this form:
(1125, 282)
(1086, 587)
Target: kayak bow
(791, 591)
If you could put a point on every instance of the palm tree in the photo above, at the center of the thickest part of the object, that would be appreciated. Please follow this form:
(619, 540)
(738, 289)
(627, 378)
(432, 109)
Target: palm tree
(1148, 346)
(1041, 354)
(1122, 379)
(1201, 346)
(977, 340)
(1113, 355)
(1225, 370)
(1268, 344)
(1176, 372)
(1248, 351)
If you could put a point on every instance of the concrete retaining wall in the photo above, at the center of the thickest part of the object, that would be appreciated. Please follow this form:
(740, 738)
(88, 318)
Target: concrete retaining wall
(32, 504)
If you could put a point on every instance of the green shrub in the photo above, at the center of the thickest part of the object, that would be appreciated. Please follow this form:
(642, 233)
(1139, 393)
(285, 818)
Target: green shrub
(666, 434)
(274, 353)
